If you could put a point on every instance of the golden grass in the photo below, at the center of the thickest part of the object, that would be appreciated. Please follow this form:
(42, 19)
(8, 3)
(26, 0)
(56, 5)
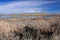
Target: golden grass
(8, 26)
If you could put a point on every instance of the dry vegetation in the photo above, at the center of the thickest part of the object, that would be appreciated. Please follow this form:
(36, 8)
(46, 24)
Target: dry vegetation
(39, 28)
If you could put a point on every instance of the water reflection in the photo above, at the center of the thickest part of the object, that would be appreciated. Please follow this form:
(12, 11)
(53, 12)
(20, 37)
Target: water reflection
(24, 16)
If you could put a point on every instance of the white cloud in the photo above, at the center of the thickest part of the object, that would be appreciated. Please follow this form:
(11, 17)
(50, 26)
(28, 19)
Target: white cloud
(22, 6)
(20, 10)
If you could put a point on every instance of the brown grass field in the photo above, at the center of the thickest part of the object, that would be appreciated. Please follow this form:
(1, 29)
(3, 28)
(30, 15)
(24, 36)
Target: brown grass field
(30, 27)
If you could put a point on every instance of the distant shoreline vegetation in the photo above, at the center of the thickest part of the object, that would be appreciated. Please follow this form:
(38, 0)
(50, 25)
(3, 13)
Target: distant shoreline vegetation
(28, 15)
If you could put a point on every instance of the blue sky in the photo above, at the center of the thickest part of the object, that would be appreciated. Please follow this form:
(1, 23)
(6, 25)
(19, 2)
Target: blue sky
(29, 6)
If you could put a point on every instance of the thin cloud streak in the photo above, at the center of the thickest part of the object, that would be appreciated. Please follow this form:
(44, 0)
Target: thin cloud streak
(22, 6)
(28, 3)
